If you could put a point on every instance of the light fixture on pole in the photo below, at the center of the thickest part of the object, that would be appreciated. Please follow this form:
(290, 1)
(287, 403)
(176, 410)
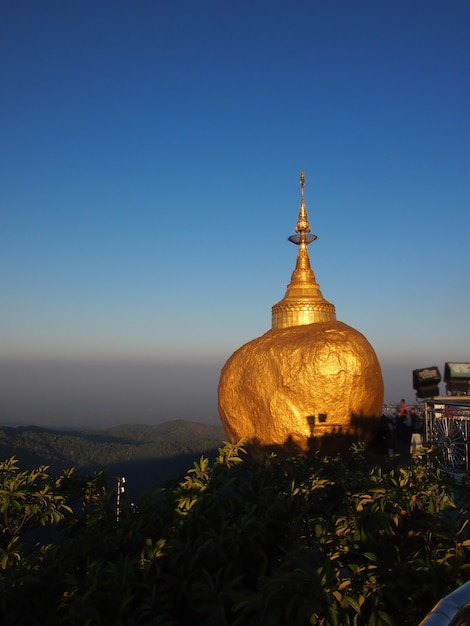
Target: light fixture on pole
(426, 382)
(457, 378)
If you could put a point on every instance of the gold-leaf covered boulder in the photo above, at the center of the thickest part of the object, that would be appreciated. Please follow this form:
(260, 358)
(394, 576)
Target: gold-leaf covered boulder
(312, 387)
(311, 382)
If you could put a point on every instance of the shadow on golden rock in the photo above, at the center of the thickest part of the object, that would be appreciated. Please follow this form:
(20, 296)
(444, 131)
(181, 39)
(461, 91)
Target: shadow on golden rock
(335, 442)
(338, 440)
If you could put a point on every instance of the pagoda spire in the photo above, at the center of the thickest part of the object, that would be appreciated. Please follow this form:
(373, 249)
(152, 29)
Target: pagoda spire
(303, 302)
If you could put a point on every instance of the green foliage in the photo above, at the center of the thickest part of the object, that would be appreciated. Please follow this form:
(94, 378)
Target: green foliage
(27, 499)
(241, 541)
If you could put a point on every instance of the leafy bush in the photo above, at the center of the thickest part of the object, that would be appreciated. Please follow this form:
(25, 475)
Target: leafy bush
(299, 541)
(27, 499)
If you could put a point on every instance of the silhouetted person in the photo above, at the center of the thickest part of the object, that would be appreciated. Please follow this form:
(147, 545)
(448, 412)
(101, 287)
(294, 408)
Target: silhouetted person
(415, 422)
(403, 433)
(391, 433)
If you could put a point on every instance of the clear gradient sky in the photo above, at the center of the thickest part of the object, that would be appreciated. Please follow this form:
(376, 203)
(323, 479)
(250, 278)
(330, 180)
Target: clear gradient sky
(150, 157)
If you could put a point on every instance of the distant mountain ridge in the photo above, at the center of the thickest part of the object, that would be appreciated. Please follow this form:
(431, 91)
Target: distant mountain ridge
(171, 430)
(148, 453)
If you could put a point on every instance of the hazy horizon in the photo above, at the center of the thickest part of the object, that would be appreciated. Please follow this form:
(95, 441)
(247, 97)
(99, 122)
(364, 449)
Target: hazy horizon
(78, 393)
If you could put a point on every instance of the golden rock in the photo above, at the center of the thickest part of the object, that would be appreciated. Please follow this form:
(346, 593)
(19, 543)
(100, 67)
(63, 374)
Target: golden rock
(309, 383)
(317, 386)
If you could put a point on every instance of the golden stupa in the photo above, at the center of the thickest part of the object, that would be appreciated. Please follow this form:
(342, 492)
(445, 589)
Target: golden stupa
(309, 383)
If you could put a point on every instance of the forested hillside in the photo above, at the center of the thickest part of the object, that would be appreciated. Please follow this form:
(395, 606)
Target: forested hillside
(145, 454)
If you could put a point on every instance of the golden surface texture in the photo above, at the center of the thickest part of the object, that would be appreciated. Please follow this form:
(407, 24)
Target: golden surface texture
(311, 387)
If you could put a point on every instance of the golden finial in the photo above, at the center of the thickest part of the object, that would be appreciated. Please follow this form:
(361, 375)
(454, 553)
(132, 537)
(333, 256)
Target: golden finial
(303, 211)
(303, 302)
(302, 227)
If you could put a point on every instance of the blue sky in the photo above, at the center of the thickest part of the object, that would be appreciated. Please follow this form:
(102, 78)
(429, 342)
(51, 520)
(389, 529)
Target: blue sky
(150, 159)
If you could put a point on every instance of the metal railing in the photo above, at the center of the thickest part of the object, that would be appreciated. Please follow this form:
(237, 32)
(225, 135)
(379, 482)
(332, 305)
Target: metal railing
(447, 427)
(453, 610)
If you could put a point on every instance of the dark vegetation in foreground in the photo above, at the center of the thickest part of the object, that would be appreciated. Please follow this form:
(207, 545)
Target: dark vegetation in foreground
(239, 541)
